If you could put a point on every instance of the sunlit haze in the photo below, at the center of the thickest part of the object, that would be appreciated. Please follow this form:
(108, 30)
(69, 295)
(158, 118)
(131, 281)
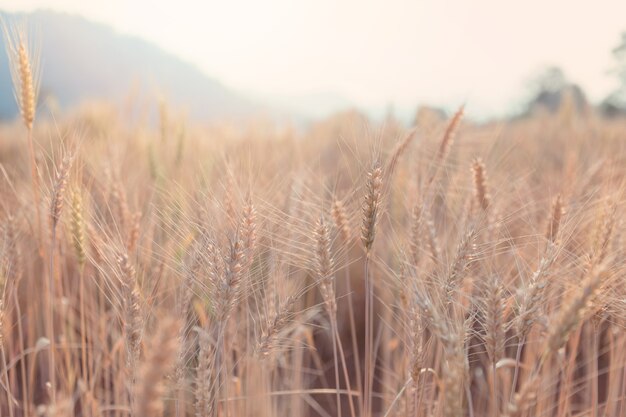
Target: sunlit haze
(376, 54)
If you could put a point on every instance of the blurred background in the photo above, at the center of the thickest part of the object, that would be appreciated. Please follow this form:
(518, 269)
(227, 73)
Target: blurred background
(304, 60)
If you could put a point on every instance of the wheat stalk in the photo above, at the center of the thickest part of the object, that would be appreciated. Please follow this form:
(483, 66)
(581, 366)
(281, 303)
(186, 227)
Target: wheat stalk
(341, 220)
(462, 258)
(269, 337)
(205, 382)
(77, 226)
(555, 219)
(415, 234)
(371, 205)
(160, 357)
(324, 266)
(24, 70)
(397, 152)
(133, 235)
(480, 184)
(571, 313)
(448, 137)
(370, 210)
(58, 193)
(248, 229)
(132, 321)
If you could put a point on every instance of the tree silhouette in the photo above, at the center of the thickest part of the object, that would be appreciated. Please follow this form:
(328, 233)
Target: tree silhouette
(615, 103)
(550, 89)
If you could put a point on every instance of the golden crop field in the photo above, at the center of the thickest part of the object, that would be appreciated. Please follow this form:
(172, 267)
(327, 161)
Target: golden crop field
(349, 268)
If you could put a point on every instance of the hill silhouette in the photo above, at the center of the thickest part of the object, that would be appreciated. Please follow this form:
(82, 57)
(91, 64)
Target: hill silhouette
(83, 60)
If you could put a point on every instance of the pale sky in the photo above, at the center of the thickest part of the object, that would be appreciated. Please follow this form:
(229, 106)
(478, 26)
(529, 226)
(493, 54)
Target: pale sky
(374, 53)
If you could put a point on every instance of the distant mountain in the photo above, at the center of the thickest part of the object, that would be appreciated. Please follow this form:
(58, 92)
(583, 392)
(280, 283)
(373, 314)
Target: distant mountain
(83, 60)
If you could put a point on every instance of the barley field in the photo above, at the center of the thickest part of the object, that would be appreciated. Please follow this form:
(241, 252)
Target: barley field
(349, 268)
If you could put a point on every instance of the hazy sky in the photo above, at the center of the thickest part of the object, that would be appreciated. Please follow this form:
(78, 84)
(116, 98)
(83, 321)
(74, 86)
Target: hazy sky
(376, 52)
